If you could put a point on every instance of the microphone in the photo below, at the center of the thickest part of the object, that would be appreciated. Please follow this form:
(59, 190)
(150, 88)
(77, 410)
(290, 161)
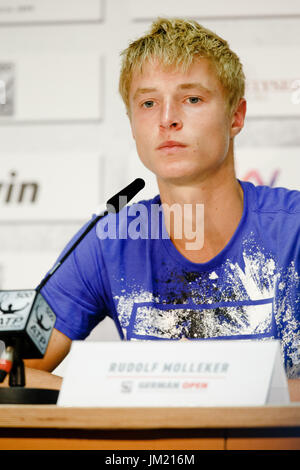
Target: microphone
(113, 205)
(26, 324)
(119, 200)
(27, 321)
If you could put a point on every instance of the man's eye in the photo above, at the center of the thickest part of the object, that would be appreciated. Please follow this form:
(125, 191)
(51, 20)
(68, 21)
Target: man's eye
(148, 104)
(194, 99)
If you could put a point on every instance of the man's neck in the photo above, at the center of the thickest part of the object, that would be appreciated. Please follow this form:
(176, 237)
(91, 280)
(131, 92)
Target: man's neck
(222, 199)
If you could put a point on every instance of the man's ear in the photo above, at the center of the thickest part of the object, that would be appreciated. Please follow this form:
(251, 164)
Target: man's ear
(238, 117)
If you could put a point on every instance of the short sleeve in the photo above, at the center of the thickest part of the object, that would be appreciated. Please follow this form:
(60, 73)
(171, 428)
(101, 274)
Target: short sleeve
(75, 292)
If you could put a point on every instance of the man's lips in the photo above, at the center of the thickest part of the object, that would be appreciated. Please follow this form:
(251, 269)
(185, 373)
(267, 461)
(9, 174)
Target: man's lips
(170, 144)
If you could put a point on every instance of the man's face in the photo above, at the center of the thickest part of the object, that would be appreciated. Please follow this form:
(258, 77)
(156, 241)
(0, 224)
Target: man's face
(180, 121)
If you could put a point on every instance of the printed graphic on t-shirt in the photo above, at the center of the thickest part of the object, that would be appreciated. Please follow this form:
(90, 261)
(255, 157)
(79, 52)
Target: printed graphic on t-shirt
(242, 301)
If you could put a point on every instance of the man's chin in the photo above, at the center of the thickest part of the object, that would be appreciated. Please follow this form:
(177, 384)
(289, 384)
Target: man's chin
(177, 178)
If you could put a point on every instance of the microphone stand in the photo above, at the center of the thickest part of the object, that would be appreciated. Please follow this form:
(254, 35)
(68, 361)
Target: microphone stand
(17, 393)
(86, 231)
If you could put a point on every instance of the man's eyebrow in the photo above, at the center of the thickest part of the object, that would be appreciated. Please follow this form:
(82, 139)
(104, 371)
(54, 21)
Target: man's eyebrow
(196, 85)
(183, 86)
(141, 91)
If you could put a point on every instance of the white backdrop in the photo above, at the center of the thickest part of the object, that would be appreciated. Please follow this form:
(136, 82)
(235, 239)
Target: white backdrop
(65, 142)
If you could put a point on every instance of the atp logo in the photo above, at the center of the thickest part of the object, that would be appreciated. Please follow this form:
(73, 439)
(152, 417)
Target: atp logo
(39, 320)
(255, 177)
(10, 308)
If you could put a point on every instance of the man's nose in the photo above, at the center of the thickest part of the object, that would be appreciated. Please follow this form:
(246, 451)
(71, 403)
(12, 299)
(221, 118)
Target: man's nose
(170, 117)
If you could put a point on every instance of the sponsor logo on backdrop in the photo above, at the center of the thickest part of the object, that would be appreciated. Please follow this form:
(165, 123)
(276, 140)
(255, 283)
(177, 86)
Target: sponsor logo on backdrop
(262, 89)
(32, 188)
(254, 176)
(296, 93)
(7, 89)
(14, 190)
(270, 85)
(37, 11)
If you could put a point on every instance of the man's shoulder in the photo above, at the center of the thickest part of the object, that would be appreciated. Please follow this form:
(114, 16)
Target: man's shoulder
(273, 199)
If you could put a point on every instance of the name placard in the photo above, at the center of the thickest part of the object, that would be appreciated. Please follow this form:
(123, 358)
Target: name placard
(174, 374)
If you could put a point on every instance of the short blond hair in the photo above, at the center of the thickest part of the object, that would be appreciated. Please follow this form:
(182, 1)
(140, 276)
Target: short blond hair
(178, 42)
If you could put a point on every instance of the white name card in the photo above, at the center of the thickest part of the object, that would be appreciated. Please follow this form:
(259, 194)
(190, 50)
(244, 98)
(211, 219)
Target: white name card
(174, 374)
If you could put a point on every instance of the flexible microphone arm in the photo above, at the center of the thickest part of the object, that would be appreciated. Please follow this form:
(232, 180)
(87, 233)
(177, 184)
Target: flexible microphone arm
(113, 205)
(26, 329)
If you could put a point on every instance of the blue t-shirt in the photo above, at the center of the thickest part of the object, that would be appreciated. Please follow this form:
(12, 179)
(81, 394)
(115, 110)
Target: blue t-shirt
(250, 290)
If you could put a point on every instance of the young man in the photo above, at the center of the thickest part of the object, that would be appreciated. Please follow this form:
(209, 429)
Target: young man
(184, 93)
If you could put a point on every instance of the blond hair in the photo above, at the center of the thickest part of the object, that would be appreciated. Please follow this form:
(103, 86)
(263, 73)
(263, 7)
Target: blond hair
(178, 43)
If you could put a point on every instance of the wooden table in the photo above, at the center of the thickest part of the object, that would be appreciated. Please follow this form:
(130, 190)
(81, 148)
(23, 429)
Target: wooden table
(52, 427)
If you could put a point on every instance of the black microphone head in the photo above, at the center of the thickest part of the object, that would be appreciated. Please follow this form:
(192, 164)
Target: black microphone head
(119, 200)
(26, 319)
